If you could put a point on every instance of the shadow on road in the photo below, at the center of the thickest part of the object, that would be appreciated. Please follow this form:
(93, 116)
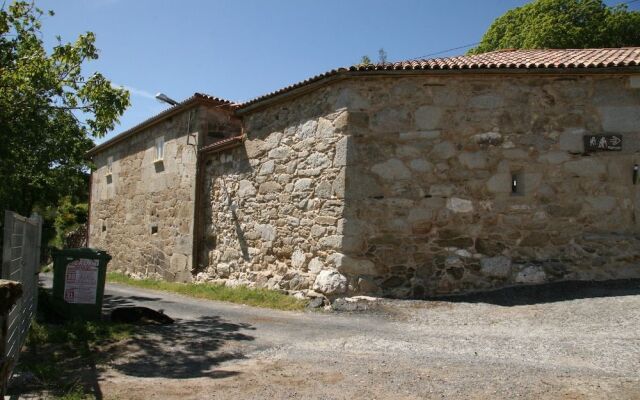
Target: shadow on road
(185, 349)
(549, 292)
(110, 302)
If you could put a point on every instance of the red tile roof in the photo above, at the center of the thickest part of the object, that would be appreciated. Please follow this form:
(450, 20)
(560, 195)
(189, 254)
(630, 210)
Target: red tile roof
(515, 59)
(197, 97)
(496, 60)
(507, 60)
(223, 144)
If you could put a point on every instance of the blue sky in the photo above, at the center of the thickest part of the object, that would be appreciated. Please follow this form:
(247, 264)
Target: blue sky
(240, 49)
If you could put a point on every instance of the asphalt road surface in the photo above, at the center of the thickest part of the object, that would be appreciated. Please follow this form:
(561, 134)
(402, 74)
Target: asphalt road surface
(570, 341)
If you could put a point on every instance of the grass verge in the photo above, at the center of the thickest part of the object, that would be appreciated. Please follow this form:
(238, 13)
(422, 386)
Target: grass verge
(242, 295)
(60, 359)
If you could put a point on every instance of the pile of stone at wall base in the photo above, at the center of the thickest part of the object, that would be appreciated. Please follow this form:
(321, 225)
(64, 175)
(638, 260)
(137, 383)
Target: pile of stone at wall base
(356, 303)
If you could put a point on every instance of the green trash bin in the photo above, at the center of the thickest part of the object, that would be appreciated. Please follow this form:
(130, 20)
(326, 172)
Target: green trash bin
(78, 282)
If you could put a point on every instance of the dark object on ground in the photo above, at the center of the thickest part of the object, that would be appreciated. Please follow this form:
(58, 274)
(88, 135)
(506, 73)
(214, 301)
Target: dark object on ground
(46, 311)
(548, 292)
(139, 315)
(10, 292)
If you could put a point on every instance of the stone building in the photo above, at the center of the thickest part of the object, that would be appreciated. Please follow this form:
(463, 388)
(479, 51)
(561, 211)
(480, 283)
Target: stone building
(406, 179)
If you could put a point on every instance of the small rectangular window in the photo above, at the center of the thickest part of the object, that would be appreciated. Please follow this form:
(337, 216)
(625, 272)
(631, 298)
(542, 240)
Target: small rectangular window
(159, 149)
(517, 184)
(109, 165)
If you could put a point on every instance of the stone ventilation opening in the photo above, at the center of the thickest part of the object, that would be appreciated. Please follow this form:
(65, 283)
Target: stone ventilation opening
(154, 229)
(517, 184)
(104, 227)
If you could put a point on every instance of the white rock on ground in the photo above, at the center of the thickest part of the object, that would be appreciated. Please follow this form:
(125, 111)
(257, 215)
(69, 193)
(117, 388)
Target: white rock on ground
(330, 282)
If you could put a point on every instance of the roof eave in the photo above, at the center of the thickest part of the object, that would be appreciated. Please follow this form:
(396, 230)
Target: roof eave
(224, 144)
(278, 97)
(194, 100)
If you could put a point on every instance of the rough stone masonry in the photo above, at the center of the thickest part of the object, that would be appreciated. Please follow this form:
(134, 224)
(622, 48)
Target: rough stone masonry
(401, 185)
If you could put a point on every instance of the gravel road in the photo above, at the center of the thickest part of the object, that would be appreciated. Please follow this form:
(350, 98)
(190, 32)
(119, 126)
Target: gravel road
(570, 342)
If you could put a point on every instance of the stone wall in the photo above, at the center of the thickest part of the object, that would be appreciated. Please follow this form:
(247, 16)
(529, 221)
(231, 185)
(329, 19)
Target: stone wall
(388, 185)
(402, 186)
(274, 205)
(143, 213)
(429, 206)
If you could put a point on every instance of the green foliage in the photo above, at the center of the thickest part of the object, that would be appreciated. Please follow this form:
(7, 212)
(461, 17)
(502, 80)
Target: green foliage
(49, 110)
(365, 60)
(559, 24)
(68, 217)
(76, 392)
(241, 294)
(92, 332)
(55, 353)
(59, 354)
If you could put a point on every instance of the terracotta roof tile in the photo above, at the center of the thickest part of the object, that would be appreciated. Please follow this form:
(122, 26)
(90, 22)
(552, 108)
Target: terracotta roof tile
(514, 59)
(197, 97)
(308, 81)
(223, 143)
(496, 60)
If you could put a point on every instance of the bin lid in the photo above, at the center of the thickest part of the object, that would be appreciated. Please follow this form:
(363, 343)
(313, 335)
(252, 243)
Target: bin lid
(82, 252)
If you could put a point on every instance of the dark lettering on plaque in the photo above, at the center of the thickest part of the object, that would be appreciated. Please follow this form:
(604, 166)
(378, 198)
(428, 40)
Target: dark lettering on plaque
(602, 143)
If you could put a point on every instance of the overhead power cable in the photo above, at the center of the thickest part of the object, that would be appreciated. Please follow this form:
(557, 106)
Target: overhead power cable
(448, 50)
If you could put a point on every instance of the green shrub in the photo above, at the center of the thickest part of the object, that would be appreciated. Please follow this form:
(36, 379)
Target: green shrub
(69, 216)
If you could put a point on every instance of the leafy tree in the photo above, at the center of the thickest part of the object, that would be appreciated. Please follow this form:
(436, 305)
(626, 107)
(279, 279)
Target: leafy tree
(562, 24)
(49, 112)
(365, 60)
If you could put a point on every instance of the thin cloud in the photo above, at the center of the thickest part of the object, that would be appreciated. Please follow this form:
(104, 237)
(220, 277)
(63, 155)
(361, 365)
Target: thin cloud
(136, 91)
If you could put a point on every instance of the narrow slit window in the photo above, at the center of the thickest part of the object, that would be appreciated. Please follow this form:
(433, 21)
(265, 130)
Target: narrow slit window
(109, 165)
(159, 149)
(517, 184)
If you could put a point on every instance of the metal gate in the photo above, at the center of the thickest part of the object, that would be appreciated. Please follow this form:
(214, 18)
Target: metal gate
(20, 262)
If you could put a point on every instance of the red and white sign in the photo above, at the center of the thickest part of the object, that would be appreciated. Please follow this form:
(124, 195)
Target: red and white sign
(81, 281)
